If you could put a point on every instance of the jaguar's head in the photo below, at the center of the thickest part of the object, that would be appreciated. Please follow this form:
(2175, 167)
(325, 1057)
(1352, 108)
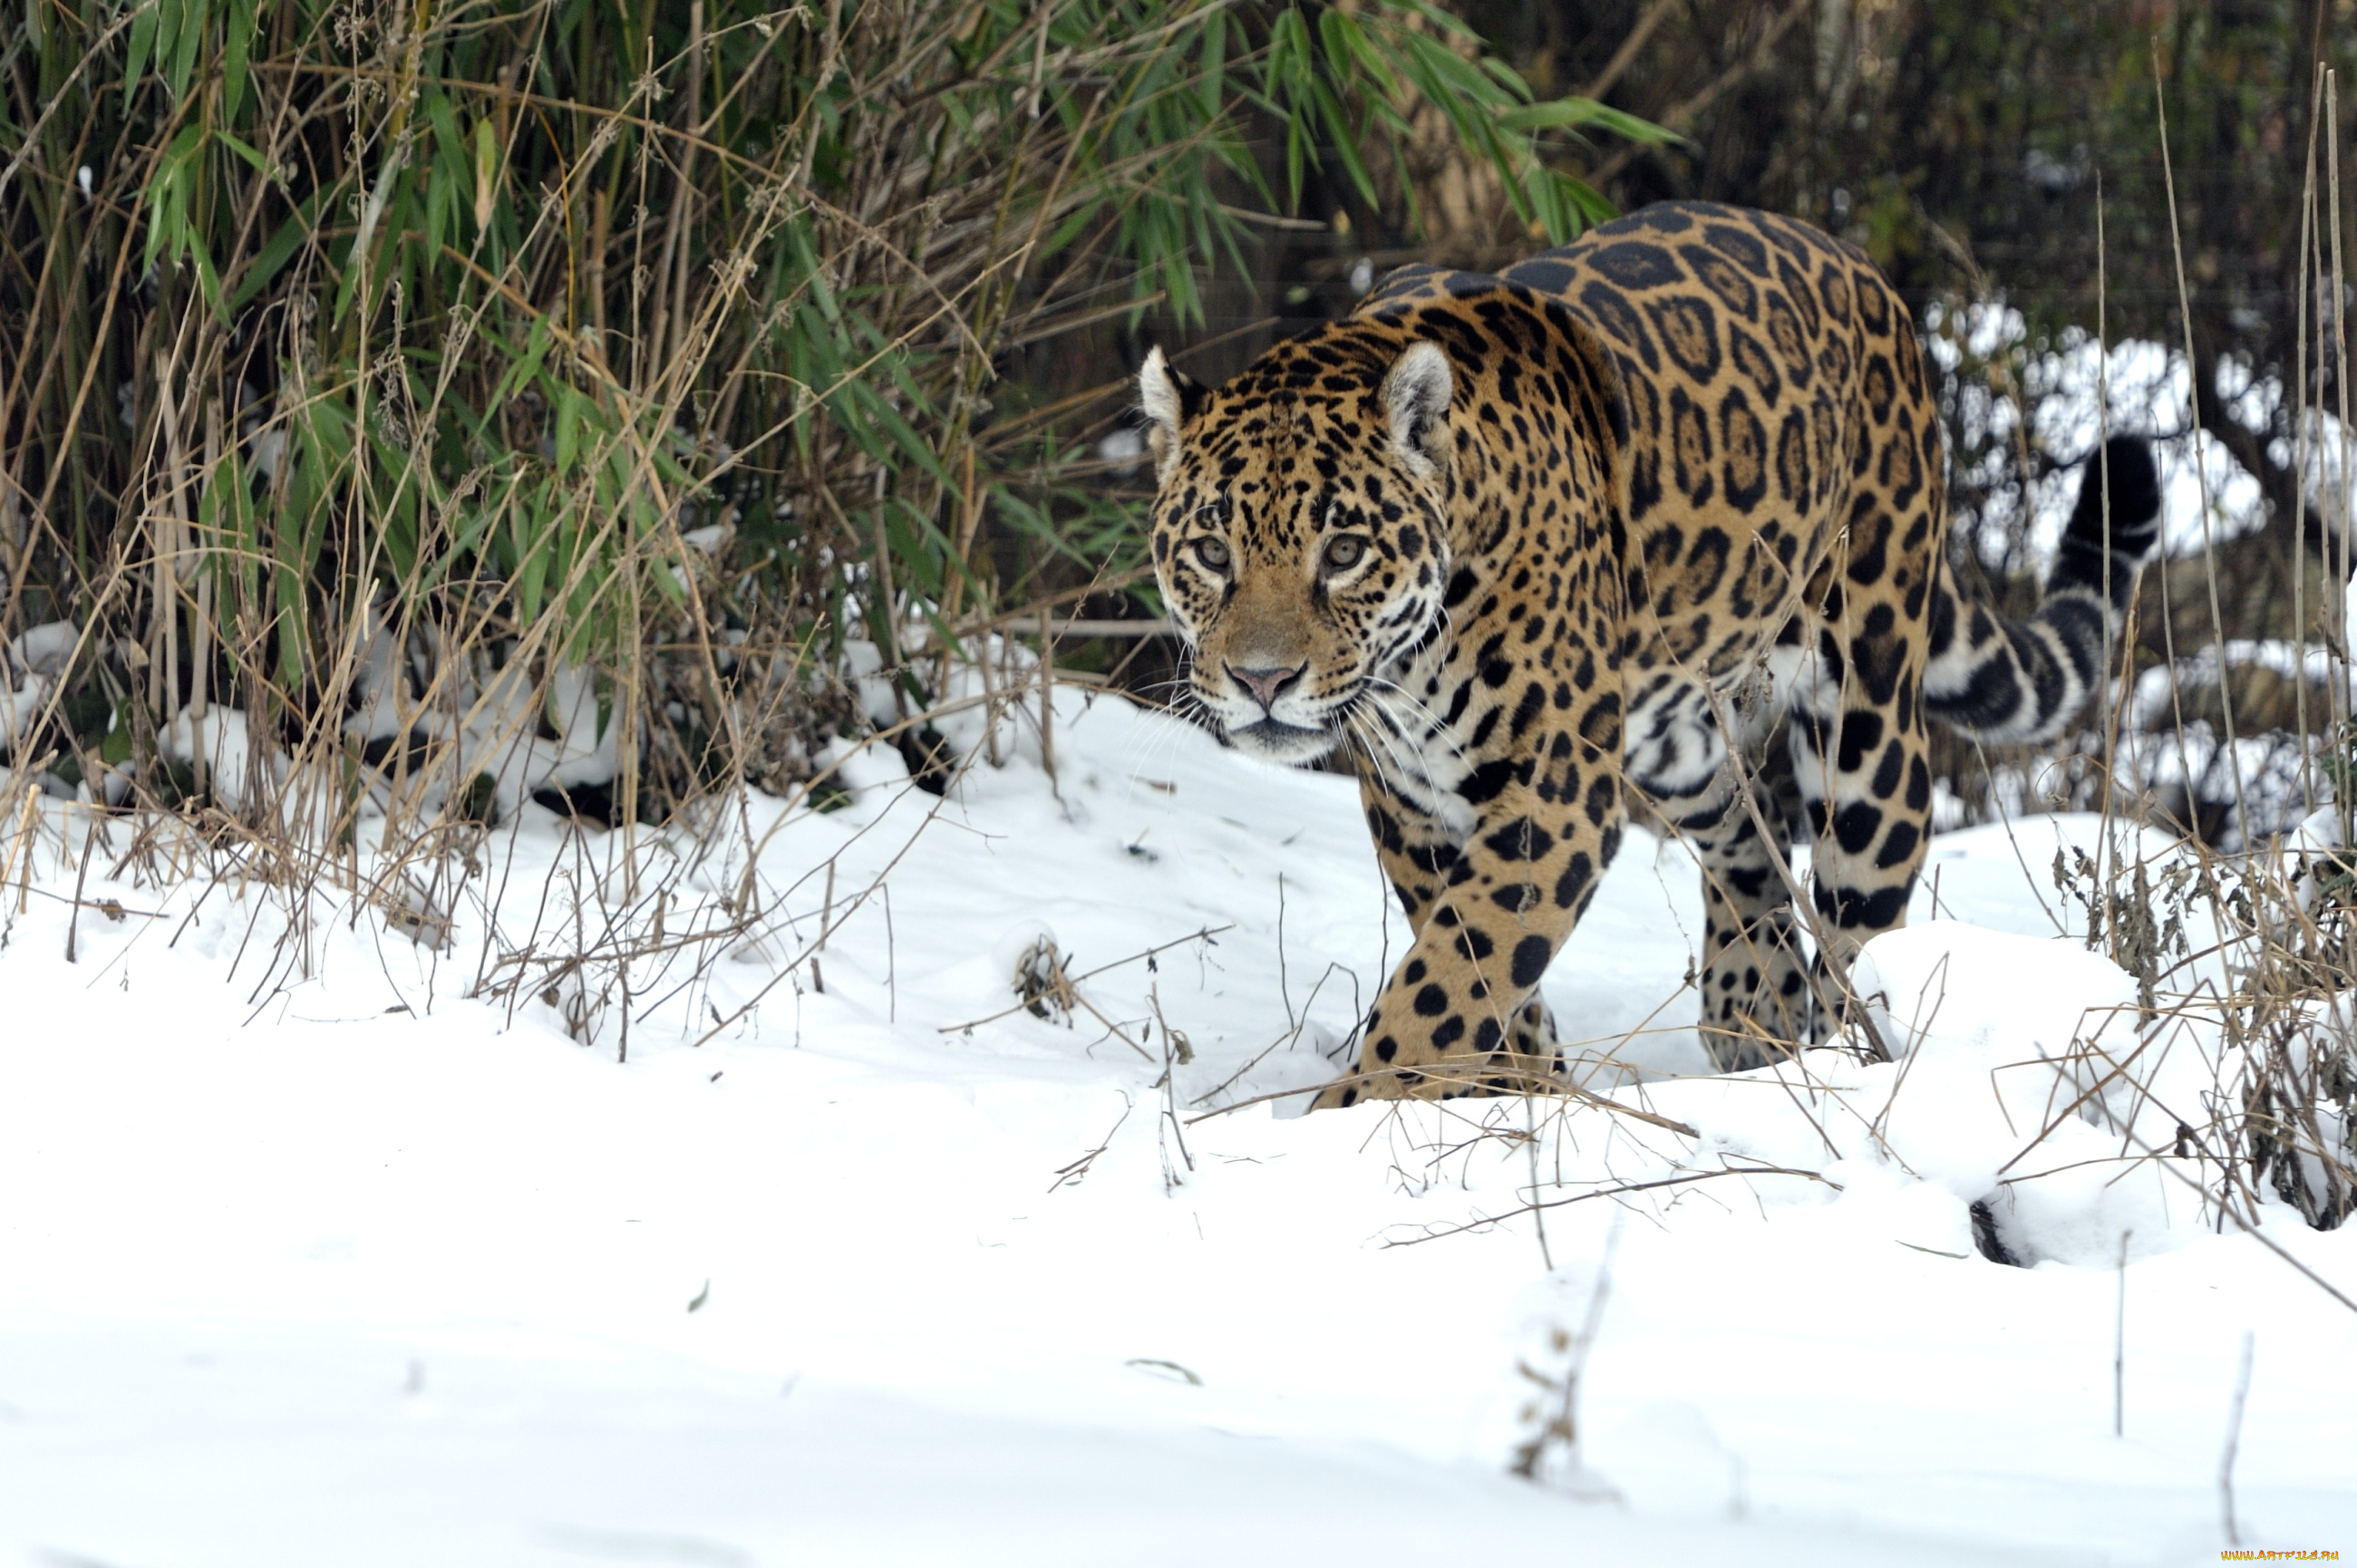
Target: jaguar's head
(1300, 529)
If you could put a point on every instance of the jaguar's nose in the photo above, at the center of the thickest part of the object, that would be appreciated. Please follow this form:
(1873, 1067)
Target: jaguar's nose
(1267, 685)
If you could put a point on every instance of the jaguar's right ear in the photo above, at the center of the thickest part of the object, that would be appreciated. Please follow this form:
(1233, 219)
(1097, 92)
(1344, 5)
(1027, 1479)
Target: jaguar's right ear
(1169, 398)
(1415, 395)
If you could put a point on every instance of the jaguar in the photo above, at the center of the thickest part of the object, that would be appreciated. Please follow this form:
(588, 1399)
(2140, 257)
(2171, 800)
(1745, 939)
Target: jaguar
(1586, 539)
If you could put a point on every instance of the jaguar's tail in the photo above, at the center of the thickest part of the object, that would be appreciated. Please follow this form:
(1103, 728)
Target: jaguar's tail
(2027, 680)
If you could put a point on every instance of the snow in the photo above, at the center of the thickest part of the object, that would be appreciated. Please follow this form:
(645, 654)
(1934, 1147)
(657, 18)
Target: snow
(2077, 391)
(2160, 690)
(329, 1239)
(32, 663)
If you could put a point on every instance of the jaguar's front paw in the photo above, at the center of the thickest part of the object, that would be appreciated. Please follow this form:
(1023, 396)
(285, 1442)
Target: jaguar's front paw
(1535, 1038)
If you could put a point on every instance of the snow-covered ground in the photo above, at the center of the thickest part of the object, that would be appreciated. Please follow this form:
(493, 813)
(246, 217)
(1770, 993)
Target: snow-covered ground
(322, 1243)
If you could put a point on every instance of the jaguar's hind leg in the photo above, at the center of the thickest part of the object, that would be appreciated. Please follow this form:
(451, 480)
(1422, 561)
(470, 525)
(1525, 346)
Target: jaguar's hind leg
(1860, 755)
(1756, 996)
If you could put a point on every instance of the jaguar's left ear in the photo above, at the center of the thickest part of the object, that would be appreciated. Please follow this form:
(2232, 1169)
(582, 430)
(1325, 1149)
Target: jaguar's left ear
(1415, 399)
(1169, 397)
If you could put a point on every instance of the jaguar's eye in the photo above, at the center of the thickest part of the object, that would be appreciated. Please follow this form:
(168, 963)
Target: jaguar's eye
(1213, 552)
(1343, 552)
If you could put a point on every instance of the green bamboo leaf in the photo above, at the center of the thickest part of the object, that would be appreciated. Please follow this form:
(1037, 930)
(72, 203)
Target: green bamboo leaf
(1351, 55)
(1515, 89)
(273, 257)
(194, 24)
(1592, 205)
(242, 150)
(527, 365)
(294, 630)
(532, 574)
(668, 585)
(168, 14)
(143, 44)
(1560, 111)
(464, 540)
(1345, 139)
(903, 434)
(486, 167)
(440, 114)
(1210, 86)
(1632, 128)
(208, 280)
(239, 40)
(170, 197)
(570, 407)
(1435, 17)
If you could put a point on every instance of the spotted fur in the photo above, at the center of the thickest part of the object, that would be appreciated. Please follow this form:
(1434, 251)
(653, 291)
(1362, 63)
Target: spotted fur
(1611, 521)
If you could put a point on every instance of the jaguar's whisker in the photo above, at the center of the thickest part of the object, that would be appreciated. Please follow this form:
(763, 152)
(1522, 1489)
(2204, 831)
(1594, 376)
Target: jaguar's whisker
(1436, 728)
